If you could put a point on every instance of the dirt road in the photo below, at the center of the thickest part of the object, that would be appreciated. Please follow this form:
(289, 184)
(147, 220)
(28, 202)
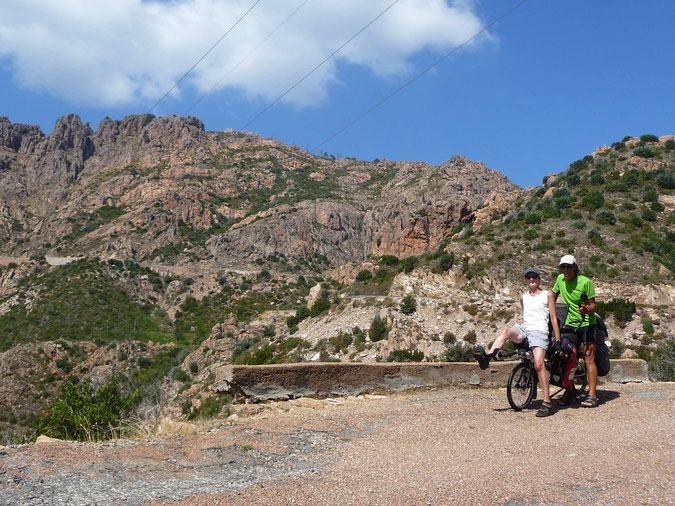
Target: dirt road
(455, 445)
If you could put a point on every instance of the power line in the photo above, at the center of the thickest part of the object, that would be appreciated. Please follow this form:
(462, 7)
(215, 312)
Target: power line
(204, 56)
(385, 99)
(202, 97)
(315, 68)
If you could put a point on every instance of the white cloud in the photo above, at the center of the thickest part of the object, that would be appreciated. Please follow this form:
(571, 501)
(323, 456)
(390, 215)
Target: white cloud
(102, 53)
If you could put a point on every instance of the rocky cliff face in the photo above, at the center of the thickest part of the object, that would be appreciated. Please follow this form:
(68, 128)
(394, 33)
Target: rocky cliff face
(147, 187)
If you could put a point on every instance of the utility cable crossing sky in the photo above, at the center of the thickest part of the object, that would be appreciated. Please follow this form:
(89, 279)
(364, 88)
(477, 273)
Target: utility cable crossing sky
(409, 82)
(317, 67)
(202, 97)
(203, 56)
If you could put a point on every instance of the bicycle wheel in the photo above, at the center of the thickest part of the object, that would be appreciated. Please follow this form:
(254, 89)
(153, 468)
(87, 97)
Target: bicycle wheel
(520, 386)
(579, 381)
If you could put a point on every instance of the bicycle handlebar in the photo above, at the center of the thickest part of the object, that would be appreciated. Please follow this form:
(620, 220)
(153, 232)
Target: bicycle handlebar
(507, 354)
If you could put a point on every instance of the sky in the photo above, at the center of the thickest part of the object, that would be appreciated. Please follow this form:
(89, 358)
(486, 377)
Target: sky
(542, 87)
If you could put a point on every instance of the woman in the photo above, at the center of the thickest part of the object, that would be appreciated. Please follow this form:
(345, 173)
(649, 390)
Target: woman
(536, 310)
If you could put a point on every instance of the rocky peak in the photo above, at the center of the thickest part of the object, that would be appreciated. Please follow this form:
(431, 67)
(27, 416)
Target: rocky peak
(71, 134)
(19, 137)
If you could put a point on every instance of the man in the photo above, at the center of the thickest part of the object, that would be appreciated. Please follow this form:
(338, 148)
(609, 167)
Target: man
(535, 304)
(580, 325)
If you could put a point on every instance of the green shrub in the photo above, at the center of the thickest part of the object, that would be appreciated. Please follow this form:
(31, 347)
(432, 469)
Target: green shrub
(623, 309)
(650, 194)
(470, 337)
(449, 338)
(408, 304)
(532, 218)
(605, 217)
(662, 362)
(649, 138)
(579, 224)
(648, 326)
(388, 260)
(408, 264)
(405, 356)
(364, 275)
(446, 261)
(573, 180)
(194, 367)
(64, 365)
(472, 309)
(593, 201)
(383, 275)
(666, 180)
(322, 304)
(181, 375)
(635, 220)
(300, 314)
(648, 214)
(597, 178)
(80, 412)
(617, 348)
(644, 152)
(378, 329)
(144, 362)
(618, 146)
(631, 177)
(595, 238)
(670, 144)
(341, 341)
(657, 207)
(211, 407)
(459, 352)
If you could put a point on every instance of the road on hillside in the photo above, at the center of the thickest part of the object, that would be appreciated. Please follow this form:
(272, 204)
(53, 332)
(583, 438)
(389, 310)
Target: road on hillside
(445, 446)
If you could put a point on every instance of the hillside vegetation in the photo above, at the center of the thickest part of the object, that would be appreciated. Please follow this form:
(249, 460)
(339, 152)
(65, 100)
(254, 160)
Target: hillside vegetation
(216, 248)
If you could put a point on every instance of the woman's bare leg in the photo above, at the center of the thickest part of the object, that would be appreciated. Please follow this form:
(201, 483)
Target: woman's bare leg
(508, 334)
(539, 355)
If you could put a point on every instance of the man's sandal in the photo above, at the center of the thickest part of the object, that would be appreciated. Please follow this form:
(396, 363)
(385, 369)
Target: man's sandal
(545, 410)
(589, 402)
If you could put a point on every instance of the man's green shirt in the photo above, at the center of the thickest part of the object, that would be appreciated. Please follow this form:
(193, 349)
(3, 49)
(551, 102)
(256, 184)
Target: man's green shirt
(571, 295)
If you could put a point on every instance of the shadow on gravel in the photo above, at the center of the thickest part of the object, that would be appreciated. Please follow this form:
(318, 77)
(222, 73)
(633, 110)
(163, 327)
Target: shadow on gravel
(604, 396)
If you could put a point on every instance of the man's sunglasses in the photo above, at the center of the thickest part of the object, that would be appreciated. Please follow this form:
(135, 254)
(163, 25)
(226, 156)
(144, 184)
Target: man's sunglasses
(566, 266)
(531, 276)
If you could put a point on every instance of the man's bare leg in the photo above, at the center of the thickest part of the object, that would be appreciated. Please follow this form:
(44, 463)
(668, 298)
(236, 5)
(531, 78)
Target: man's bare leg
(591, 369)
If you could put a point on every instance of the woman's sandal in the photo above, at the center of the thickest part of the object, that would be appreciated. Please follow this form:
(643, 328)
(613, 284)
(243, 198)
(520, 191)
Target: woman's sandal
(545, 410)
(566, 398)
(589, 402)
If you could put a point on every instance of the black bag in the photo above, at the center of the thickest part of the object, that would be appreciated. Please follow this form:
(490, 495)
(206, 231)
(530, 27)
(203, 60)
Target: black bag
(601, 349)
(601, 334)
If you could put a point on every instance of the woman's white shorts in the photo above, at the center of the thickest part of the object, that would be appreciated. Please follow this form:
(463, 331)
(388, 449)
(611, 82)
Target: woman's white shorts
(535, 338)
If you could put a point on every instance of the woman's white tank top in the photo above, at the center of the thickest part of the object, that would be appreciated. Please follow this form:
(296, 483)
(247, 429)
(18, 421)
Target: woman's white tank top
(535, 311)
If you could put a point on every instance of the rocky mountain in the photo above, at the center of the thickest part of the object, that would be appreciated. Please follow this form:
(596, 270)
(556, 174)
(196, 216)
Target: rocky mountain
(162, 188)
(155, 250)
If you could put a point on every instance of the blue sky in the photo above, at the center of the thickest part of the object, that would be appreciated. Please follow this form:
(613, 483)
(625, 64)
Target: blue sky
(544, 87)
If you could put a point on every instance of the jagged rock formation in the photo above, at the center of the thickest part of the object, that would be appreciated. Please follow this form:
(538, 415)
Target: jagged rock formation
(138, 187)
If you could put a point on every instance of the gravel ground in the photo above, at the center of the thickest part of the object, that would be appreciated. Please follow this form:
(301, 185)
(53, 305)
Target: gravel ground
(424, 447)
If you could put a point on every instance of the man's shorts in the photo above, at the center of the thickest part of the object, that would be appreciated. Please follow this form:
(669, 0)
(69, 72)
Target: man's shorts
(572, 336)
(536, 338)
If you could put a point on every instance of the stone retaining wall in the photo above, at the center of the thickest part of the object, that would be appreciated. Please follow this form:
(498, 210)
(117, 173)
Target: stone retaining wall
(284, 381)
